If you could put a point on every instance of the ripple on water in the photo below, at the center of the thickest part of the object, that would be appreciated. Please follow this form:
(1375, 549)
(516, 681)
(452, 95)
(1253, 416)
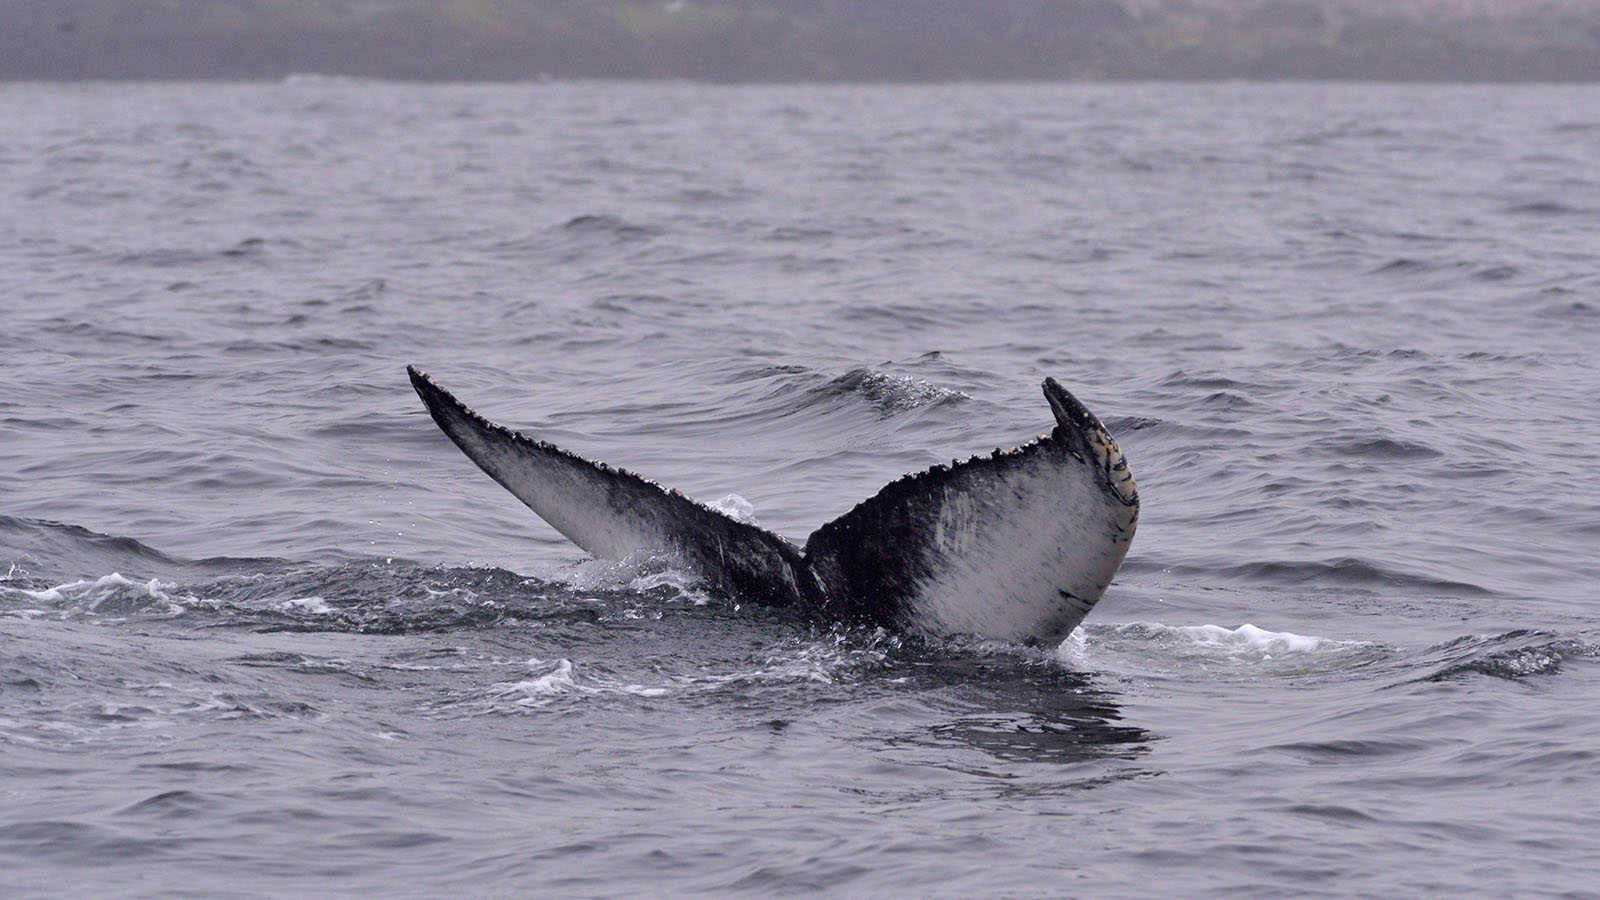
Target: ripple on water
(1510, 655)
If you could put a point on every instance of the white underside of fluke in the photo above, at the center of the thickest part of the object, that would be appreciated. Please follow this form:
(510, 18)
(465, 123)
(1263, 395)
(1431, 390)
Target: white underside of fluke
(1020, 556)
(588, 507)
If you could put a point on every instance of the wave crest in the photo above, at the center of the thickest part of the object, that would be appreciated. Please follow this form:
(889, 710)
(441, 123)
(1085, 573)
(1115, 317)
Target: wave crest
(1511, 655)
(889, 393)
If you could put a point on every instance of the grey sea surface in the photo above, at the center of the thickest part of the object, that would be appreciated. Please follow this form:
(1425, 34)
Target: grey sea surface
(265, 632)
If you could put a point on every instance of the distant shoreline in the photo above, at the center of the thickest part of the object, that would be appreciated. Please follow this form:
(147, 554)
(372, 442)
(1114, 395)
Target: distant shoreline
(711, 82)
(805, 41)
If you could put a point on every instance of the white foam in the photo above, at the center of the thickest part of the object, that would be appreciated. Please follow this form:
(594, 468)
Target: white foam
(534, 692)
(639, 572)
(89, 596)
(687, 586)
(1203, 645)
(596, 574)
(1254, 638)
(531, 691)
(62, 592)
(830, 660)
(1074, 651)
(735, 507)
(315, 606)
(1245, 637)
(464, 594)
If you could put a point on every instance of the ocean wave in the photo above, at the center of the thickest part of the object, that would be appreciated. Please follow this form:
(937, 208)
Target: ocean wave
(1349, 572)
(1157, 649)
(110, 595)
(1510, 655)
(1545, 208)
(550, 680)
(37, 550)
(371, 597)
(608, 224)
(1245, 638)
(839, 656)
(889, 393)
(1377, 448)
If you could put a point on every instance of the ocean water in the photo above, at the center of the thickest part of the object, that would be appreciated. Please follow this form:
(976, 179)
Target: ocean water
(265, 632)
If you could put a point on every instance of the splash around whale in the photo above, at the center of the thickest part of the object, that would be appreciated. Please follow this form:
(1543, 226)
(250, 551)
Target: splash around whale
(1015, 546)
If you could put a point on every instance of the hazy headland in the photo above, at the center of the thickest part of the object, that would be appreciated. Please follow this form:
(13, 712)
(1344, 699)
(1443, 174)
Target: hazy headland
(803, 40)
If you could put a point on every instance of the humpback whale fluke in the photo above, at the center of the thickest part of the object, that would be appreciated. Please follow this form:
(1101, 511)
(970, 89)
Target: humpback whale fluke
(1017, 545)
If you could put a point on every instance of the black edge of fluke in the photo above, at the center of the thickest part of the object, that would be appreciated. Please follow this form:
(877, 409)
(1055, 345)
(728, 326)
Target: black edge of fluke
(1068, 411)
(438, 400)
(422, 384)
(1086, 438)
(455, 418)
(1075, 424)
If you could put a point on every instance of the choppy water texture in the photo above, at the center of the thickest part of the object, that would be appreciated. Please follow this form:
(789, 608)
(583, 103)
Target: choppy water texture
(264, 632)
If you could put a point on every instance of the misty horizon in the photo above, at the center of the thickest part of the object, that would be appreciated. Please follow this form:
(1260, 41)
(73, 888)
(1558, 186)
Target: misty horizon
(803, 40)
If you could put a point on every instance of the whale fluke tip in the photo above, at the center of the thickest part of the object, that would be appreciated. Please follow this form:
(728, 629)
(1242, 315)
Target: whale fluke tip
(420, 380)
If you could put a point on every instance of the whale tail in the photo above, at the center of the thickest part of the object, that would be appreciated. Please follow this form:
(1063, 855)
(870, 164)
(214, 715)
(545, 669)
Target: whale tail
(1017, 545)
